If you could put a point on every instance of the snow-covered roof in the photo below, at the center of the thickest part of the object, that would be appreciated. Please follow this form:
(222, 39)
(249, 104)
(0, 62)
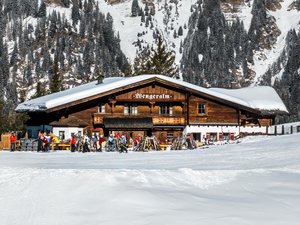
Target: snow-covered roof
(264, 99)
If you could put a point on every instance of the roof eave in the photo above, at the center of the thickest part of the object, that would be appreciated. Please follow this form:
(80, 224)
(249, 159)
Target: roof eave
(274, 113)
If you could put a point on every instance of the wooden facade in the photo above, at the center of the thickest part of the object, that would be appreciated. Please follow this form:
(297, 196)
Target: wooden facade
(155, 107)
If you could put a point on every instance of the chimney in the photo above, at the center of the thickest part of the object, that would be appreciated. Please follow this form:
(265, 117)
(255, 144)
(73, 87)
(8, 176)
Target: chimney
(100, 76)
(100, 80)
(234, 85)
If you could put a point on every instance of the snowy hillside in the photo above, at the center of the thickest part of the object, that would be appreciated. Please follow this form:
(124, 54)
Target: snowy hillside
(254, 182)
(129, 27)
(286, 19)
(166, 21)
(169, 15)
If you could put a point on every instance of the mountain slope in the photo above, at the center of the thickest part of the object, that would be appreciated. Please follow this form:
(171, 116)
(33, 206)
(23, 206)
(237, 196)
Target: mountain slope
(167, 17)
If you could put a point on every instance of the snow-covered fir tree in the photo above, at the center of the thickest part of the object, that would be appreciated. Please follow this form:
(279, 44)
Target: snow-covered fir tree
(156, 60)
(216, 53)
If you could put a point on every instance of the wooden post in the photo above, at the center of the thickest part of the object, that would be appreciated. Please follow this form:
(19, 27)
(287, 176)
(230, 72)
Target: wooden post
(152, 107)
(186, 108)
(113, 102)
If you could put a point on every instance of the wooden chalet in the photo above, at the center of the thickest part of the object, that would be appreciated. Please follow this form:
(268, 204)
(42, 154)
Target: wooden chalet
(155, 105)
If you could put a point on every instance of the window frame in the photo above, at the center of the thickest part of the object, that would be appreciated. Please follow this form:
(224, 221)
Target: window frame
(102, 108)
(202, 108)
(130, 109)
(61, 135)
(166, 109)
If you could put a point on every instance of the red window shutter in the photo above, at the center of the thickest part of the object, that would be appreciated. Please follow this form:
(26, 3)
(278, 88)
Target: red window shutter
(220, 136)
(231, 136)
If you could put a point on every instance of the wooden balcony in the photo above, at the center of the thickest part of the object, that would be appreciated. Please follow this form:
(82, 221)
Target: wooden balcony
(168, 120)
(156, 120)
(98, 118)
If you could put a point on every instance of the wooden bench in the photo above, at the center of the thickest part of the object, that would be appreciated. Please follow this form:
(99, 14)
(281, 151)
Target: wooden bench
(60, 146)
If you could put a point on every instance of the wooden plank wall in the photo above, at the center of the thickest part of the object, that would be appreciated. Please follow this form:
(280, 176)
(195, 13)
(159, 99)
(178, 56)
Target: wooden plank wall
(86, 115)
(215, 112)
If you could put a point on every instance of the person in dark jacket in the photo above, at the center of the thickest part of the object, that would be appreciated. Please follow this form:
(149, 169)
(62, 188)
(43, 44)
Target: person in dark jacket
(40, 141)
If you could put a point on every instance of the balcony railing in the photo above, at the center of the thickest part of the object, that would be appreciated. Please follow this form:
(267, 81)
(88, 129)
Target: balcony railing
(168, 120)
(156, 120)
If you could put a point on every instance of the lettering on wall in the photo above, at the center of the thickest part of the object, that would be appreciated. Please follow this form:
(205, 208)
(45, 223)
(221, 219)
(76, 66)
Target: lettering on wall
(151, 96)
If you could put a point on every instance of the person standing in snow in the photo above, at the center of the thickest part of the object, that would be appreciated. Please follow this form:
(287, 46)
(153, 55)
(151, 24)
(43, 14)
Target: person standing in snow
(73, 142)
(13, 140)
(123, 144)
(101, 139)
(94, 140)
(39, 141)
(86, 141)
(110, 143)
(48, 142)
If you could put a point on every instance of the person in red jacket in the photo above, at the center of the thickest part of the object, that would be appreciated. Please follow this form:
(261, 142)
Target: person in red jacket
(13, 140)
(73, 142)
(100, 141)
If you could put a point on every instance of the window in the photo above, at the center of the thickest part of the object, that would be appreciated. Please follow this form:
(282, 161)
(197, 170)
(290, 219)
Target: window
(101, 108)
(224, 136)
(212, 136)
(197, 136)
(61, 135)
(201, 108)
(165, 110)
(130, 109)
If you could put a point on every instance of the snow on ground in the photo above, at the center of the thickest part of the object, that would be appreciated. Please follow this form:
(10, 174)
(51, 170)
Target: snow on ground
(254, 182)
